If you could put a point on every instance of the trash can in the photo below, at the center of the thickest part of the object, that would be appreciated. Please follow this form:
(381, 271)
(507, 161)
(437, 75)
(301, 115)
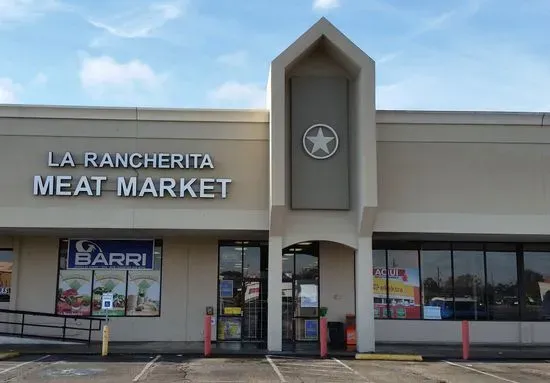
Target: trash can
(337, 335)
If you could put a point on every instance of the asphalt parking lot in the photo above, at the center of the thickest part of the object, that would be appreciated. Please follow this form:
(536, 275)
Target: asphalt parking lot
(168, 369)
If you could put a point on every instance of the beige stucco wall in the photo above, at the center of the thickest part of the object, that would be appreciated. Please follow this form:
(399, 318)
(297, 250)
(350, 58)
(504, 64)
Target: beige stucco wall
(465, 173)
(238, 144)
(188, 285)
(337, 289)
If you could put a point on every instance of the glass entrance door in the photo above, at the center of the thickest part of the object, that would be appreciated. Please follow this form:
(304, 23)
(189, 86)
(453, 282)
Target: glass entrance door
(242, 291)
(300, 293)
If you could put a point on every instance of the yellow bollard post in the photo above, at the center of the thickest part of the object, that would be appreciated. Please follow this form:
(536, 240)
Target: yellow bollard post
(105, 344)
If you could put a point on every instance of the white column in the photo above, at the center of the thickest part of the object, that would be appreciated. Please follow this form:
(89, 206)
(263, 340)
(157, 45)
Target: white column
(274, 295)
(364, 296)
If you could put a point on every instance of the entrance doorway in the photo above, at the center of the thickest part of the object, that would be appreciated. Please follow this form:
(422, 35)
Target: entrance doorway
(242, 292)
(300, 294)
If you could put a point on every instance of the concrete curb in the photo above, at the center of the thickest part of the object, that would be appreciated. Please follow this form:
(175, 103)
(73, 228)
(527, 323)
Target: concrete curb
(392, 357)
(8, 355)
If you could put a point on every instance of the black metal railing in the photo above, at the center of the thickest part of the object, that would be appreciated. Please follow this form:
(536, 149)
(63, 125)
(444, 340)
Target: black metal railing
(34, 324)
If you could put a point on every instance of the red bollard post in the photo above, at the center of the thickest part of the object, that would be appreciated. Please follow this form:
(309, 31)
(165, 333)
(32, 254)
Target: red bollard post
(465, 339)
(323, 337)
(207, 335)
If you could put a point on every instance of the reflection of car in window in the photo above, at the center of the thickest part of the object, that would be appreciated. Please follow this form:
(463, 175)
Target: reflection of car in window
(463, 308)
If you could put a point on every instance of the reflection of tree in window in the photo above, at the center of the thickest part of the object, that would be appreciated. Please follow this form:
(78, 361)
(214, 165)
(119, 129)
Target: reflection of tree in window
(502, 282)
(536, 276)
(437, 279)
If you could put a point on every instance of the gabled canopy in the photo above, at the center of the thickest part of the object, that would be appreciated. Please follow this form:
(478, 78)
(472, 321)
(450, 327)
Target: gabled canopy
(339, 47)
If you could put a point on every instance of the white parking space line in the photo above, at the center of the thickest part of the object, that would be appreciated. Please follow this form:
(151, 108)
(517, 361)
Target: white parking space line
(305, 366)
(146, 368)
(24, 364)
(350, 369)
(481, 372)
(276, 369)
(309, 364)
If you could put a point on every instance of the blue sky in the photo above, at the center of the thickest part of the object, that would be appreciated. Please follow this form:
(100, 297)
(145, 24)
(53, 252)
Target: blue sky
(430, 54)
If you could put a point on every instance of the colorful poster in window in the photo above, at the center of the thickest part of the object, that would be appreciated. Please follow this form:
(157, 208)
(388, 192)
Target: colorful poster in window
(311, 329)
(226, 288)
(308, 296)
(6, 264)
(229, 328)
(143, 293)
(404, 293)
(109, 281)
(74, 293)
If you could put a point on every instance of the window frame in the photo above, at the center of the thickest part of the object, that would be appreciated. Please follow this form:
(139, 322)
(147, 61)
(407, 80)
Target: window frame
(517, 248)
(158, 242)
(10, 249)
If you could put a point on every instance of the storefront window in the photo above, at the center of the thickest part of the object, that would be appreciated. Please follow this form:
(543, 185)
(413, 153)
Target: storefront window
(536, 278)
(502, 282)
(242, 291)
(469, 282)
(129, 269)
(396, 284)
(380, 284)
(6, 264)
(404, 284)
(230, 280)
(462, 281)
(437, 280)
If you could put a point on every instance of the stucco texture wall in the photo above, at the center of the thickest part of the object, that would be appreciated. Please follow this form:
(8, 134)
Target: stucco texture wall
(27, 141)
(337, 282)
(463, 179)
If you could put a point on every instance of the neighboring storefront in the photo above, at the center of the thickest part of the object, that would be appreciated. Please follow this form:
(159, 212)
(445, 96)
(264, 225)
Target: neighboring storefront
(408, 222)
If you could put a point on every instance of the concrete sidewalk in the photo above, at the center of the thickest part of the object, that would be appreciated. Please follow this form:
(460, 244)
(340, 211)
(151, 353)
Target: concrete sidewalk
(430, 352)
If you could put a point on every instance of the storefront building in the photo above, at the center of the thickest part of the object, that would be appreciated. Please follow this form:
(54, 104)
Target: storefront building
(411, 221)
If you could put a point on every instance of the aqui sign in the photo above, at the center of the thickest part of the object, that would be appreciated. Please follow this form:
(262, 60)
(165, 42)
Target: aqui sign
(110, 254)
(131, 186)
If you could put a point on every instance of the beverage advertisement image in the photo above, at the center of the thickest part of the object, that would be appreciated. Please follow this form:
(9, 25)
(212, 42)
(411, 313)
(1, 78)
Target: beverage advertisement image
(229, 328)
(109, 281)
(74, 293)
(404, 293)
(143, 293)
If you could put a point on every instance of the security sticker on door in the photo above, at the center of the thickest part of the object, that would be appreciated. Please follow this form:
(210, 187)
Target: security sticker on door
(107, 301)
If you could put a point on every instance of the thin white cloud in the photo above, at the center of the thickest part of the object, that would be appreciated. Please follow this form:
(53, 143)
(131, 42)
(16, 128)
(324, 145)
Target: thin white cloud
(324, 5)
(39, 79)
(482, 77)
(141, 22)
(234, 59)
(388, 57)
(16, 11)
(9, 91)
(105, 77)
(234, 94)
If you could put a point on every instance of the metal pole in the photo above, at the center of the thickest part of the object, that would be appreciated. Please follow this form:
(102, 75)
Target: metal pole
(465, 340)
(323, 337)
(105, 343)
(207, 335)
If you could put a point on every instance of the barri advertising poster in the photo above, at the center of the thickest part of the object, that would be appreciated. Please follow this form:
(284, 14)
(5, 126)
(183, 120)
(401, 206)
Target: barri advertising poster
(74, 292)
(110, 281)
(143, 293)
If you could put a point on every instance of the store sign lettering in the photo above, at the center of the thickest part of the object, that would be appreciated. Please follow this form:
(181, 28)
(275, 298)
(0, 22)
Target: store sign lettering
(381, 272)
(131, 186)
(100, 254)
